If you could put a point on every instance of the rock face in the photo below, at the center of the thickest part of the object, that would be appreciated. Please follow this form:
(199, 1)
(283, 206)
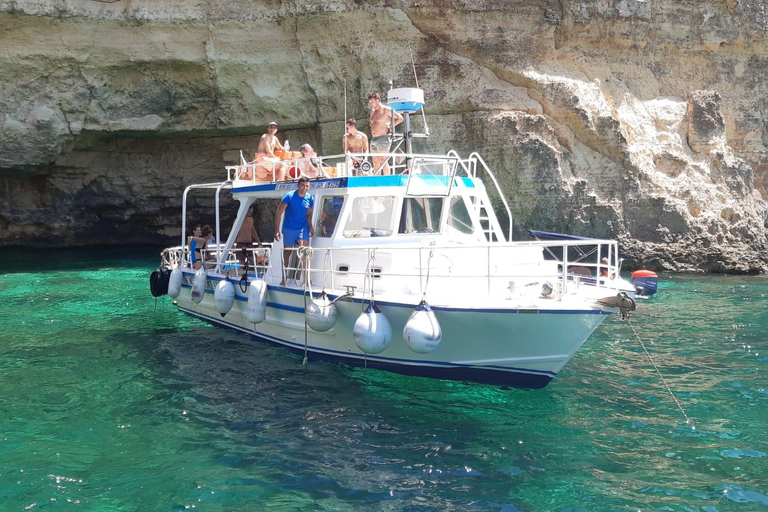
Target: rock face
(632, 119)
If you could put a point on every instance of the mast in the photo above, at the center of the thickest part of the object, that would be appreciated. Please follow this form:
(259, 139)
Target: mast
(407, 101)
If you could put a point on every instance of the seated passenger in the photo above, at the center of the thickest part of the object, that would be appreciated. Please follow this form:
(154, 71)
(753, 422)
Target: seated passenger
(330, 216)
(210, 256)
(265, 155)
(308, 165)
(578, 270)
(209, 237)
(604, 271)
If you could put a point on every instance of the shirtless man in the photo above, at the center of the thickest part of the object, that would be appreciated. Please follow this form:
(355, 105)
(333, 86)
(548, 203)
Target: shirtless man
(354, 141)
(266, 152)
(247, 235)
(381, 117)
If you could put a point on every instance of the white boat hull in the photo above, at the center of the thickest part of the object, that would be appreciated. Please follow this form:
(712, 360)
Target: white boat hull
(520, 347)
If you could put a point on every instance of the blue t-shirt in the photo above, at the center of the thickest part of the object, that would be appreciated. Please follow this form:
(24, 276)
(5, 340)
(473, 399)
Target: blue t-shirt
(296, 211)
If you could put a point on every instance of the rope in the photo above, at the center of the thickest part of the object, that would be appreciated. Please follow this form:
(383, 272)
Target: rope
(327, 266)
(369, 277)
(426, 281)
(243, 283)
(304, 263)
(306, 335)
(661, 377)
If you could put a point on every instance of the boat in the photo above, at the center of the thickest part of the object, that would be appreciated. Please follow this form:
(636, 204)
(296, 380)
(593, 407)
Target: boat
(411, 272)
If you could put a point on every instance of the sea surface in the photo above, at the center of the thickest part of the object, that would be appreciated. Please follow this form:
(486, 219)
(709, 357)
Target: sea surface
(110, 401)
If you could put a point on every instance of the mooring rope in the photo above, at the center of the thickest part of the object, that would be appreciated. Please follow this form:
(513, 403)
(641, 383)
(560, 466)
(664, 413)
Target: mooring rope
(661, 377)
(303, 257)
(429, 265)
(306, 333)
(368, 278)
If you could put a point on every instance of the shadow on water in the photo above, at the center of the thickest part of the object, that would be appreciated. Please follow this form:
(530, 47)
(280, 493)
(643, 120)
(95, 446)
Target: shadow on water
(360, 436)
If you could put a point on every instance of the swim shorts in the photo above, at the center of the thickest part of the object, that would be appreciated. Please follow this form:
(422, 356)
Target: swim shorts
(291, 237)
(380, 143)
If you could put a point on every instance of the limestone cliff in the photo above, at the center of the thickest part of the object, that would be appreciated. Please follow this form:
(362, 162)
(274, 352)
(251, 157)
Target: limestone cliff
(636, 119)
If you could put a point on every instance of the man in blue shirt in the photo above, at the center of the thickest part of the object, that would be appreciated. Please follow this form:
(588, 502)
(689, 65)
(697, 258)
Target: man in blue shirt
(297, 227)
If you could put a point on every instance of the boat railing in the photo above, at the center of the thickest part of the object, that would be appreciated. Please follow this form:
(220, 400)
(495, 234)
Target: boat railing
(518, 268)
(348, 165)
(234, 261)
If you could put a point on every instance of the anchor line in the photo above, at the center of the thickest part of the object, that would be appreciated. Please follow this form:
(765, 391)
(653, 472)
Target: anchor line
(661, 377)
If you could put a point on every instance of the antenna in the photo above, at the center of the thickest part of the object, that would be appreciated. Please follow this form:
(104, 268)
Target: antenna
(415, 77)
(413, 65)
(344, 124)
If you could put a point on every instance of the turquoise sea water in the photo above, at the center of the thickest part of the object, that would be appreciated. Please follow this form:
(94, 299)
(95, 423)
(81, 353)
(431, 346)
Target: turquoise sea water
(107, 404)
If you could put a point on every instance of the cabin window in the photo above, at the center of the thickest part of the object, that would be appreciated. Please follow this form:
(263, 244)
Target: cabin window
(370, 216)
(326, 223)
(458, 216)
(421, 215)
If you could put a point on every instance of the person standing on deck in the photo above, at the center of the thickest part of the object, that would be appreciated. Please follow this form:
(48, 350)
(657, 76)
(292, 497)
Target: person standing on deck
(354, 141)
(380, 120)
(246, 236)
(297, 228)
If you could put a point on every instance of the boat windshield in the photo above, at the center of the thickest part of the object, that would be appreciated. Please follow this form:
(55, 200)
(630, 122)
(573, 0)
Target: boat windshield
(458, 217)
(370, 216)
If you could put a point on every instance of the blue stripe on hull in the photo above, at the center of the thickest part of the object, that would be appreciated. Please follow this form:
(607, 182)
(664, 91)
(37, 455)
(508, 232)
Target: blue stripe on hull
(447, 371)
(295, 309)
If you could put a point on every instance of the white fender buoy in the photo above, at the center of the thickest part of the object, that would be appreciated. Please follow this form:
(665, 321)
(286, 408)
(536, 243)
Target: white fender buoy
(372, 332)
(198, 286)
(321, 313)
(224, 296)
(257, 302)
(174, 283)
(422, 331)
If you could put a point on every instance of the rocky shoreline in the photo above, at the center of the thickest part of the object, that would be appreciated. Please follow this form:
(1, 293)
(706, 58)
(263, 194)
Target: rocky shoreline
(632, 119)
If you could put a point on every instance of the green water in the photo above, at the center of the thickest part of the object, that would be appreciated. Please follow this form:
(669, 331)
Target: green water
(107, 404)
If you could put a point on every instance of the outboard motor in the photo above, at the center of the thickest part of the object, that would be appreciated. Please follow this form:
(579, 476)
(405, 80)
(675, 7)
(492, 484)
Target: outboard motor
(645, 282)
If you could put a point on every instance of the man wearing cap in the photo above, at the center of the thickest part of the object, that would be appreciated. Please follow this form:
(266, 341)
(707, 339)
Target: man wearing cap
(266, 154)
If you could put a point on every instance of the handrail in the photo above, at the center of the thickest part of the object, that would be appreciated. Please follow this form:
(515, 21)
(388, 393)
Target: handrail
(498, 189)
(334, 166)
(561, 269)
(454, 154)
(217, 186)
